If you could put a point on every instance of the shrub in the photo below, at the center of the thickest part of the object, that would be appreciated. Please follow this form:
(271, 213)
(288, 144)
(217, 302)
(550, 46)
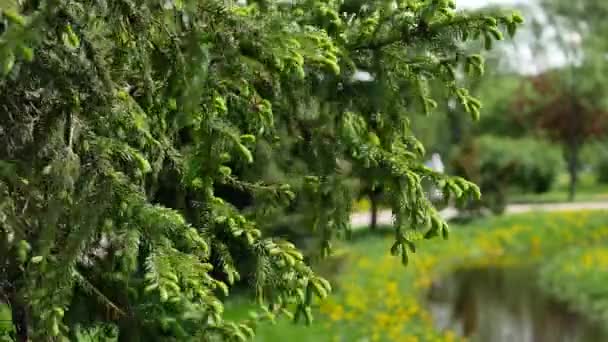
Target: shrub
(538, 164)
(498, 163)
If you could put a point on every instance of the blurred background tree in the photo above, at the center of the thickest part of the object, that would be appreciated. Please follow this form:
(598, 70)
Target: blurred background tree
(546, 86)
(565, 113)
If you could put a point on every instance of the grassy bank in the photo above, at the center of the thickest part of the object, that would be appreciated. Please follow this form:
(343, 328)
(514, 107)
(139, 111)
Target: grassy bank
(377, 299)
(579, 277)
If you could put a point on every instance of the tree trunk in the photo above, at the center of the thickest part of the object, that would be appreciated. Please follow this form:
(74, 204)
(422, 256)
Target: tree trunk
(373, 225)
(20, 319)
(374, 198)
(572, 160)
(455, 126)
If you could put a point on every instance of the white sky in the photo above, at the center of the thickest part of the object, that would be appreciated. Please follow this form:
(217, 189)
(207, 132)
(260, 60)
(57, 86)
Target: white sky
(480, 3)
(519, 51)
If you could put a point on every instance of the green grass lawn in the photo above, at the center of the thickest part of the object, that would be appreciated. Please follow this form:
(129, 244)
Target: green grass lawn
(588, 189)
(377, 299)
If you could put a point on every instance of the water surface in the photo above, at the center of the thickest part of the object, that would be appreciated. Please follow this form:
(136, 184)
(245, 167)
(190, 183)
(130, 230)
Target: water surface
(506, 305)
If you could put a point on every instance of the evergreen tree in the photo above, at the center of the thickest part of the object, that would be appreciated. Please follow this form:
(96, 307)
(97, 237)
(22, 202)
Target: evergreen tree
(128, 126)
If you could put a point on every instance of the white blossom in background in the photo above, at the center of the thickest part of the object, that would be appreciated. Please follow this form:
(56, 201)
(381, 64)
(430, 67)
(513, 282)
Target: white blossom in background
(436, 164)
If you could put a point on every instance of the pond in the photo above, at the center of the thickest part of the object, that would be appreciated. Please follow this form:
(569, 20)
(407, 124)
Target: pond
(506, 305)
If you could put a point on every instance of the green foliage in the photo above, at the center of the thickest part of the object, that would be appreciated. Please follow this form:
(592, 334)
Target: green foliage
(497, 163)
(538, 163)
(498, 91)
(6, 327)
(127, 126)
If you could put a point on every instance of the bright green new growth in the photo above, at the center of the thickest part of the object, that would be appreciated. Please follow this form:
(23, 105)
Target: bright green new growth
(121, 120)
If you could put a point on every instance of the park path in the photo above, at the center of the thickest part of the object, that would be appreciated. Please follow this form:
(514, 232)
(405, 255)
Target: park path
(359, 220)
